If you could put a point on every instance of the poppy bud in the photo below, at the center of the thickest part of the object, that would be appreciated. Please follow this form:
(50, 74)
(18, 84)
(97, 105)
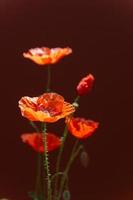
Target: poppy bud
(85, 85)
(66, 195)
(84, 158)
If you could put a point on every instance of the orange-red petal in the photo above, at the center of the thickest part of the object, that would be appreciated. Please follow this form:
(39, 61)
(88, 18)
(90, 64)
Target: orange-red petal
(45, 56)
(81, 128)
(36, 142)
(49, 107)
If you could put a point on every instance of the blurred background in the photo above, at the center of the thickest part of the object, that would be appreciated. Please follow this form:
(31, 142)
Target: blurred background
(101, 35)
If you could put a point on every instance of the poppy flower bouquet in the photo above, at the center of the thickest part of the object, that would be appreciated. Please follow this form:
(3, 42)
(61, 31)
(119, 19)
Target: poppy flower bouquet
(47, 108)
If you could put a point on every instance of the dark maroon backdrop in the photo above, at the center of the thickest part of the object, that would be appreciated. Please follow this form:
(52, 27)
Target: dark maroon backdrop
(101, 36)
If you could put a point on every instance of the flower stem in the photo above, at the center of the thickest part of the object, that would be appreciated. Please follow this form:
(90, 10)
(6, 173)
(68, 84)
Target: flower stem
(58, 174)
(46, 163)
(59, 160)
(48, 78)
(34, 126)
(37, 187)
(74, 154)
(76, 99)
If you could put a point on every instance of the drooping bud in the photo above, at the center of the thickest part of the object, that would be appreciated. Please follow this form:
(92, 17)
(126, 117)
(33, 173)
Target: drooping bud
(85, 85)
(84, 158)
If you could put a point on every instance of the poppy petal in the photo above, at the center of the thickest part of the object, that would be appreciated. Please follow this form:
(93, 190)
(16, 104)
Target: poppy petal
(45, 56)
(81, 128)
(36, 142)
(49, 107)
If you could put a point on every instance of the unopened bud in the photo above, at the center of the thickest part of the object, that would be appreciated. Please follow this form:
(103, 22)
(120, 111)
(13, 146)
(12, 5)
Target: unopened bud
(85, 85)
(66, 195)
(84, 158)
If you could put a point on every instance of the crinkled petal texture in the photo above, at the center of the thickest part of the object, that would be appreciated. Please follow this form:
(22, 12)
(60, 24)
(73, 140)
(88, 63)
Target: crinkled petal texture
(49, 107)
(36, 142)
(44, 55)
(80, 127)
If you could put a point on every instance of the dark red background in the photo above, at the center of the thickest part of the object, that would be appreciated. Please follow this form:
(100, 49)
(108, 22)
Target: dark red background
(101, 36)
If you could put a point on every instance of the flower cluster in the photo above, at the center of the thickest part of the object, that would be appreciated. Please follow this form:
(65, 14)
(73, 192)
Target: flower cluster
(50, 107)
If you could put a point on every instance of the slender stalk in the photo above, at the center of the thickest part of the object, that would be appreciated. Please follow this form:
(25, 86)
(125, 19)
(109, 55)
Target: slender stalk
(59, 160)
(58, 174)
(48, 79)
(37, 187)
(38, 174)
(76, 99)
(46, 163)
(74, 148)
(74, 154)
(60, 154)
(34, 126)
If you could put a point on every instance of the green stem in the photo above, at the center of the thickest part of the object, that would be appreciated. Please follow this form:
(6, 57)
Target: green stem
(74, 154)
(77, 99)
(46, 163)
(34, 126)
(59, 160)
(48, 79)
(60, 154)
(57, 174)
(74, 147)
(37, 187)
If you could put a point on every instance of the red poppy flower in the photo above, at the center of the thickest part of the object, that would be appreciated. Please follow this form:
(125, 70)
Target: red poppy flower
(44, 55)
(85, 85)
(48, 107)
(36, 142)
(81, 128)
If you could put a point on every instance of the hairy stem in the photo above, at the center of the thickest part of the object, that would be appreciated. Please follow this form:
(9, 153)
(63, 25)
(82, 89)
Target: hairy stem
(46, 163)
(38, 174)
